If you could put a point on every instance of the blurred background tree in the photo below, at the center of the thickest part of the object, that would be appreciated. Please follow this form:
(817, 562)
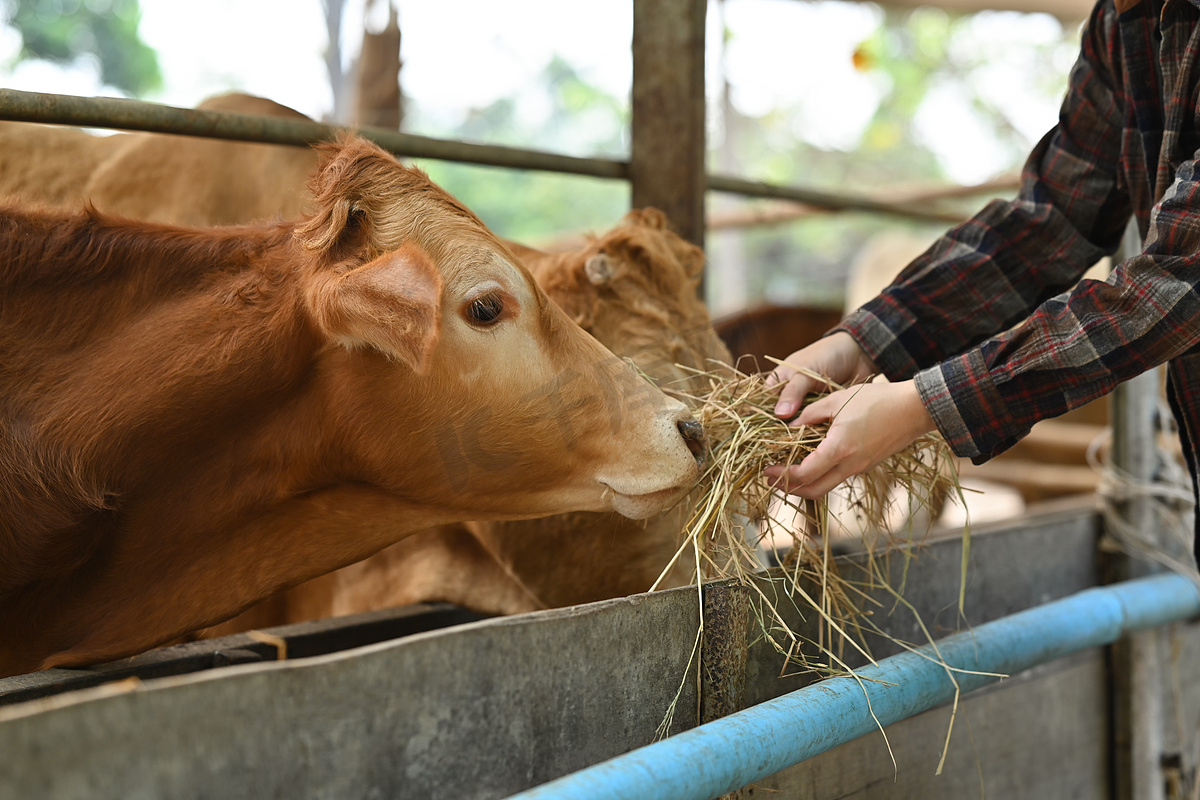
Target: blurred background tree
(65, 31)
(935, 74)
(562, 113)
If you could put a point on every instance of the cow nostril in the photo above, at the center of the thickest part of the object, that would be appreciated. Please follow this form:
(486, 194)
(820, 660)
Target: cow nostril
(693, 436)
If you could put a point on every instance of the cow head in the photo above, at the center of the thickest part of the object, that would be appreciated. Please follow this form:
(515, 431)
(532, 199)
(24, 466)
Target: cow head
(443, 351)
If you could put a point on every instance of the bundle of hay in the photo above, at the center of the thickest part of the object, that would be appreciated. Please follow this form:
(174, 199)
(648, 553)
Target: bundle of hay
(738, 516)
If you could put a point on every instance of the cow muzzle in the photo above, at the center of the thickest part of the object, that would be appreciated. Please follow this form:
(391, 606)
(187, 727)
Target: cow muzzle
(658, 466)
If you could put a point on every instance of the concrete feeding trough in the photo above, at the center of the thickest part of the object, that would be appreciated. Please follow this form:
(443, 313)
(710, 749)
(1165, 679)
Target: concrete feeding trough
(489, 707)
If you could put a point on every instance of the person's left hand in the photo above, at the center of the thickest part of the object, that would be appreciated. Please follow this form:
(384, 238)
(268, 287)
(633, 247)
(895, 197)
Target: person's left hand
(869, 422)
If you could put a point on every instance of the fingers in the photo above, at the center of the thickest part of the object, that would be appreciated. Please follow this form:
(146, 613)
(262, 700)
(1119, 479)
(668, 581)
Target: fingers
(816, 476)
(867, 424)
(796, 385)
(823, 468)
(837, 357)
(822, 410)
(792, 395)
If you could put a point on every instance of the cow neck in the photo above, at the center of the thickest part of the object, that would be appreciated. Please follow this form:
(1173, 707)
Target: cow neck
(169, 335)
(107, 386)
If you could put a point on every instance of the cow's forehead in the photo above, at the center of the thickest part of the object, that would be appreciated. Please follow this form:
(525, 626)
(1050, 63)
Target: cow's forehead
(467, 264)
(465, 251)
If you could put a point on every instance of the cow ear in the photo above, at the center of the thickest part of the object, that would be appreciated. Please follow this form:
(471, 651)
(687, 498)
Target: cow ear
(391, 304)
(648, 217)
(648, 227)
(350, 191)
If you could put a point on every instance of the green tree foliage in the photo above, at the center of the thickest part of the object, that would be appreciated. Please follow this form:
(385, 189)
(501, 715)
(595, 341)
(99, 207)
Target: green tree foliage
(62, 31)
(918, 50)
(563, 113)
(911, 55)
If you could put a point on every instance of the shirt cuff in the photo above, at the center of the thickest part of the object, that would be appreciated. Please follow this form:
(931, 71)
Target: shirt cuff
(878, 340)
(967, 407)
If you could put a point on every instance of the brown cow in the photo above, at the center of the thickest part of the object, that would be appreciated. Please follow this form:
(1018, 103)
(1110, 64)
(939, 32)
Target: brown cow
(184, 180)
(641, 303)
(179, 180)
(49, 164)
(635, 290)
(193, 420)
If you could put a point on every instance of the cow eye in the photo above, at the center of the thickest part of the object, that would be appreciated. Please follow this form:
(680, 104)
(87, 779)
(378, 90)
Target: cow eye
(485, 310)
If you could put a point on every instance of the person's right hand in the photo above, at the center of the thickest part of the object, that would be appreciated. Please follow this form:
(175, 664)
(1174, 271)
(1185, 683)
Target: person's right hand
(837, 357)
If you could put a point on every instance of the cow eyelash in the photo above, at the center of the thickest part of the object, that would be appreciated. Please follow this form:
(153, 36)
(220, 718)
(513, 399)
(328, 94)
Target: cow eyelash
(485, 310)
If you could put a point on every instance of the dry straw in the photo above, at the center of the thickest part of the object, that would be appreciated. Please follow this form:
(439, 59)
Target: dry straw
(738, 518)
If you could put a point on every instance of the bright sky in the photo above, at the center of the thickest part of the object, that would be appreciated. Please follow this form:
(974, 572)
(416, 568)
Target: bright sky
(457, 54)
(460, 54)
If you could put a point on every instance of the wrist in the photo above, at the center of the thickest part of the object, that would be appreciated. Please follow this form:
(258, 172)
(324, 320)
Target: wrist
(921, 422)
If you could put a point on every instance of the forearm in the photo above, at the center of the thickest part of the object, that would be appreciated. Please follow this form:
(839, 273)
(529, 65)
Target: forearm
(990, 272)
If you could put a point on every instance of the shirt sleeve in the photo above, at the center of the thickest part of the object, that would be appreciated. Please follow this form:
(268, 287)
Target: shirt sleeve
(1015, 261)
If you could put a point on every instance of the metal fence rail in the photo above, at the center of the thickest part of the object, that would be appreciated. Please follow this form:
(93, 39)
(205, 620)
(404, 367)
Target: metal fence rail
(136, 115)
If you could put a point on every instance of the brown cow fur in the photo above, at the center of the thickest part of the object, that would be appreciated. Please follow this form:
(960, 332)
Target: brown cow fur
(49, 164)
(197, 181)
(179, 180)
(194, 420)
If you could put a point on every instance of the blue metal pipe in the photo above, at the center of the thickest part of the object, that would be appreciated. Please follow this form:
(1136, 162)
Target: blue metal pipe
(749, 745)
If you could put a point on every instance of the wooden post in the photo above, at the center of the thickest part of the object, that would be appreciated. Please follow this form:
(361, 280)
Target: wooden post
(667, 145)
(1138, 673)
(724, 650)
(724, 653)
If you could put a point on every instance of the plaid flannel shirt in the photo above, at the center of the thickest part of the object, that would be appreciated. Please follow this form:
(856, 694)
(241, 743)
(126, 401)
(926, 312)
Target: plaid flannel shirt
(990, 321)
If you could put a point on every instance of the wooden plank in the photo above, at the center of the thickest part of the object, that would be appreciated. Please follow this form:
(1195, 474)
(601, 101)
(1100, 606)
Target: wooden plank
(1011, 567)
(1139, 716)
(723, 650)
(723, 654)
(300, 640)
(1034, 480)
(1054, 442)
(1181, 698)
(1042, 734)
(667, 136)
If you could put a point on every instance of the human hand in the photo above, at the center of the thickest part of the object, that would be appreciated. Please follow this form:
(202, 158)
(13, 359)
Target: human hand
(868, 423)
(837, 356)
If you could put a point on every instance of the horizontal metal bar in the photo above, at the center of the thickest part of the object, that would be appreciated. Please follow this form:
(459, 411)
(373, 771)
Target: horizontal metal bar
(136, 115)
(826, 200)
(731, 752)
(301, 639)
